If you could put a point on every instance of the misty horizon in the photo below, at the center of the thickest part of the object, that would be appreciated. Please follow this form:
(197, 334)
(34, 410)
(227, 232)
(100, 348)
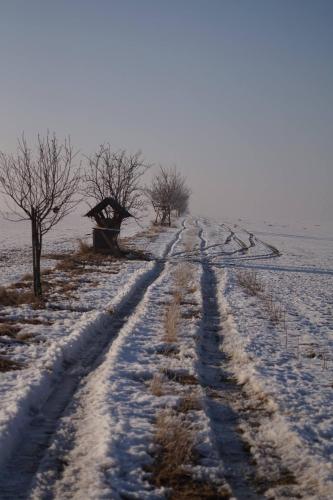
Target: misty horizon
(238, 96)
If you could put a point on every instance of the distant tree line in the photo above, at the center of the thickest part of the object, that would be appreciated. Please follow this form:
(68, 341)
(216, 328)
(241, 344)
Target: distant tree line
(43, 185)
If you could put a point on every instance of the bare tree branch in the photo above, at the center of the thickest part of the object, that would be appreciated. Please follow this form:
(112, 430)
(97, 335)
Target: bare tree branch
(43, 186)
(168, 192)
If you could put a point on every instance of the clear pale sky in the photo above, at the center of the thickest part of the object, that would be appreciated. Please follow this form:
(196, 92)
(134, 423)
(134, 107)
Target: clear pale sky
(237, 93)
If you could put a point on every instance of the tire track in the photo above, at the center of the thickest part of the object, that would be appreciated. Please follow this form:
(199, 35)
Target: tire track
(219, 387)
(19, 472)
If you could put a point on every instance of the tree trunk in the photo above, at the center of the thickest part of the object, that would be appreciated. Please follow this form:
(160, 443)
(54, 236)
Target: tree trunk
(36, 254)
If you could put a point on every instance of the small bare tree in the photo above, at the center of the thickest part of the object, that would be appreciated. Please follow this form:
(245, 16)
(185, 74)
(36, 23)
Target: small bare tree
(42, 186)
(116, 174)
(168, 192)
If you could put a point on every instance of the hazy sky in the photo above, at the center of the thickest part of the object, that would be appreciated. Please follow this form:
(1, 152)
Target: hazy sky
(237, 93)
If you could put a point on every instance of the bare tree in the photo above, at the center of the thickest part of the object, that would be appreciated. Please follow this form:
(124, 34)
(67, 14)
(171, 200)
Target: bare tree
(168, 192)
(116, 174)
(42, 186)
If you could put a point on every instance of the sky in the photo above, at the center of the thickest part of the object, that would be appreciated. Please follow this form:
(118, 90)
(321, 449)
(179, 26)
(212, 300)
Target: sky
(237, 93)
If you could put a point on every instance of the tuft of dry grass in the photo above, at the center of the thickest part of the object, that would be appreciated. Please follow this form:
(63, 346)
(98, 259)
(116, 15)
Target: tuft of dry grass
(25, 337)
(175, 438)
(189, 243)
(29, 321)
(180, 377)
(7, 365)
(67, 264)
(20, 285)
(171, 321)
(156, 385)
(183, 276)
(168, 350)
(274, 309)
(27, 277)
(68, 287)
(14, 297)
(9, 330)
(250, 282)
(189, 403)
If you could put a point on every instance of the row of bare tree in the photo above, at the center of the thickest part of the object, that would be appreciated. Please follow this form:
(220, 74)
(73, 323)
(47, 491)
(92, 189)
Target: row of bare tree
(45, 185)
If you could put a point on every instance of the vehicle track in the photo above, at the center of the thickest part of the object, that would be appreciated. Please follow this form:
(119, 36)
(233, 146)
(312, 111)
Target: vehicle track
(219, 388)
(21, 468)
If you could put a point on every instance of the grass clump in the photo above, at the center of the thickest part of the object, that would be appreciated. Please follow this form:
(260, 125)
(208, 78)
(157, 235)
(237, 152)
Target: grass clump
(15, 297)
(7, 365)
(250, 282)
(171, 321)
(189, 403)
(274, 310)
(183, 276)
(8, 330)
(175, 439)
(156, 385)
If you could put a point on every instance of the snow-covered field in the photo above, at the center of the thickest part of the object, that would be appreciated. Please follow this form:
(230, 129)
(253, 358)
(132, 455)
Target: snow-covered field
(281, 341)
(78, 419)
(15, 242)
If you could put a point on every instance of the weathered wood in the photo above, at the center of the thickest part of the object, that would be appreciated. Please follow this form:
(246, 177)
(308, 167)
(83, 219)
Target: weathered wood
(105, 235)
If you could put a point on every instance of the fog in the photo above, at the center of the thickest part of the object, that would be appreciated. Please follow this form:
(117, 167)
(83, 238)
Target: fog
(237, 94)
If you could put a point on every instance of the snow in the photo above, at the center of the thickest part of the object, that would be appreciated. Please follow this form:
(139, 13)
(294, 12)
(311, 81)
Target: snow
(104, 440)
(63, 335)
(288, 363)
(15, 244)
(116, 409)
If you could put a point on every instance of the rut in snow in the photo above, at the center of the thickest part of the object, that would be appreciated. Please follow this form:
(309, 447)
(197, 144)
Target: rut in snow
(19, 472)
(219, 387)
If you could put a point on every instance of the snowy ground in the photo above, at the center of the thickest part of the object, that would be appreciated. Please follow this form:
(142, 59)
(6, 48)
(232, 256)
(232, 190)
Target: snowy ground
(15, 242)
(287, 361)
(97, 370)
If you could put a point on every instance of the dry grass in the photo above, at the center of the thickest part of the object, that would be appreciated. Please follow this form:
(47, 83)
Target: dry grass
(274, 310)
(8, 330)
(7, 365)
(25, 337)
(168, 350)
(20, 285)
(29, 321)
(171, 321)
(67, 264)
(189, 403)
(175, 438)
(191, 313)
(183, 276)
(180, 378)
(250, 282)
(55, 256)
(69, 287)
(14, 297)
(189, 243)
(156, 385)
(27, 277)
(175, 434)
